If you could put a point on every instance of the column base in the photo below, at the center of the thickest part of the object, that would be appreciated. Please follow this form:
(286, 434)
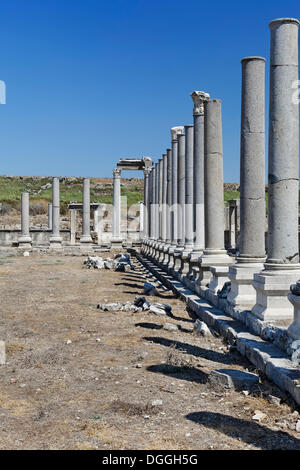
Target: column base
(25, 242)
(242, 292)
(55, 241)
(185, 266)
(86, 239)
(116, 244)
(294, 328)
(218, 279)
(272, 287)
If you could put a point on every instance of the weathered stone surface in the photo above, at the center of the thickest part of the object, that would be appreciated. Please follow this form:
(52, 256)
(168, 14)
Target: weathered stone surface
(201, 328)
(170, 327)
(233, 378)
(149, 289)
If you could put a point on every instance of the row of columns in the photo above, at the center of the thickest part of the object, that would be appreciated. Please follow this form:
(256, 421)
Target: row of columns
(55, 239)
(184, 221)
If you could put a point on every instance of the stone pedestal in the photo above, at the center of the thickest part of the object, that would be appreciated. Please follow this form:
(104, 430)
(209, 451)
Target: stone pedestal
(294, 328)
(282, 267)
(55, 239)
(252, 189)
(86, 238)
(25, 238)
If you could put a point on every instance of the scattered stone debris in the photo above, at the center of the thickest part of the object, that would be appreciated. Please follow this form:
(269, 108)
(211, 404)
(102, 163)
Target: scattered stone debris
(274, 400)
(258, 415)
(160, 309)
(150, 289)
(201, 328)
(142, 302)
(234, 379)
(223, 293)
(121, 263)
(170, 327)
(119, 307)
(295, 347)
(26, 253)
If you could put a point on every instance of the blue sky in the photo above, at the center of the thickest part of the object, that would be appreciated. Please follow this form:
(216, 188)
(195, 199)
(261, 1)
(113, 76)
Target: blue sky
(91, 81)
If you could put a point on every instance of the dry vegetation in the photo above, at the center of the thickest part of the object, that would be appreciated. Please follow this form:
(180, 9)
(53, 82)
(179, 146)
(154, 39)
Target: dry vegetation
(80, 378)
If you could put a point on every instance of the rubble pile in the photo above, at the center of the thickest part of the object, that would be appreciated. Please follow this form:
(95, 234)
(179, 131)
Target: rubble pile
(139, 304)
(121, 262)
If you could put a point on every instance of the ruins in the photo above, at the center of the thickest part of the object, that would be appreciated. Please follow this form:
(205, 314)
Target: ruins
(216, 256)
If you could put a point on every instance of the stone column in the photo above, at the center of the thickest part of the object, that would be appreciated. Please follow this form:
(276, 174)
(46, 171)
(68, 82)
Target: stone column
(86, 213)
(116, 241)
(73, 214)
(199, 99)
(175, 132)
(49, 216)
(163, 208)
(55, 238)
(25, 238)
(214, 255)
(189, 197)
(168, 209)
(282, 267)
(153, 208)
(252, 185)
(141, 219)
(181, 204)
(146, 203)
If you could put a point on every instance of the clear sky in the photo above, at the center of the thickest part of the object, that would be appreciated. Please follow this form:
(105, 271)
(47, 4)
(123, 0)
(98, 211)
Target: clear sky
(91, 81)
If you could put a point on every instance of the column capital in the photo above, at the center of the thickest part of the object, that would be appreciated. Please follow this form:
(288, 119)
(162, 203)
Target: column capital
(279, 21)
(199, 98)
(117, 173)
(176, 131)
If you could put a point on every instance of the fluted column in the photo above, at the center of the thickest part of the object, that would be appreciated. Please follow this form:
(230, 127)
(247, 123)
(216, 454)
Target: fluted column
(282, 266)
(55, 239)
(252, 185)
(116, 240)
(86, 213)
(181, 191)
(189, 198)
(199, 99)
(49, 216)
(168, 207)
(146, 203)
(25, 238)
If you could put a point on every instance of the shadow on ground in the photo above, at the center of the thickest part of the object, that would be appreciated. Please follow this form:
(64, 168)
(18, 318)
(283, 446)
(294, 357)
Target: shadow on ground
(247, 431)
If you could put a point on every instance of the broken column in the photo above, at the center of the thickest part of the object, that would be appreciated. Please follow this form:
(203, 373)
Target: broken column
(86, 216)
(116, 241)
(25, 238)
(189, 198)
(214, 256)
(252, 185)
(282, 266)
(55, 238)
(175, 131)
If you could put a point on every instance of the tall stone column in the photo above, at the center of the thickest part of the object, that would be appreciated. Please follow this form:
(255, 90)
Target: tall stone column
(252, 185)
(146, 203)
(49, 216)
(175, 132)
(86, 213)
(214, 254)
(55, 239)
(153, 210)
(25, 238)
(282, 267)
(199, 99)
(157, 210)
(168, 209)
(73, 226)
(163, 208)
(116, 241)
(181, 191)
(181, 204)
(189, 199)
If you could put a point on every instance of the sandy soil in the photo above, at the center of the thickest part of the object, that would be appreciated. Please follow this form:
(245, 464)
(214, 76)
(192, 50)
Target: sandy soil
(80, 378)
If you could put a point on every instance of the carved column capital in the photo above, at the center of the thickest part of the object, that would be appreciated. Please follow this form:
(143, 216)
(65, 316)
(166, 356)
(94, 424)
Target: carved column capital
(199, 98)
(176, 131)
(117, 173)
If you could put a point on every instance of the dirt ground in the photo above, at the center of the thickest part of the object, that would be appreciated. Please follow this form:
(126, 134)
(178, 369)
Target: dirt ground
(80, 378)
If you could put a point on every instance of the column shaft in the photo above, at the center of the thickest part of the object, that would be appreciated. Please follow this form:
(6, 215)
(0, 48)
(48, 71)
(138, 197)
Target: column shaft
(86, 215)
(55, 238)
(181, 190)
